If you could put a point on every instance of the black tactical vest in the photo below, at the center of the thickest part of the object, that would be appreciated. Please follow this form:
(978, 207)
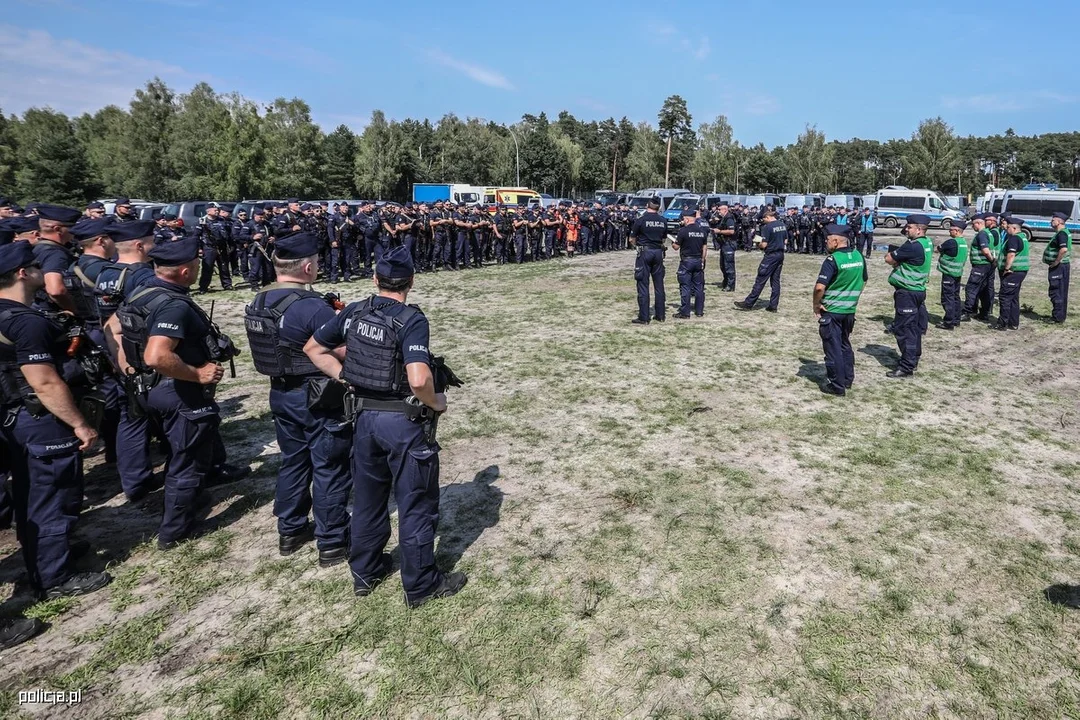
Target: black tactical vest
(374, 362)
(135, 331)
(271, 354)
(82, 291)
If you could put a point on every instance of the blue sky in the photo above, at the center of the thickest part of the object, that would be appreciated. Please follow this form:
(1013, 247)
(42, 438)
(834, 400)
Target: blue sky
(859, 69)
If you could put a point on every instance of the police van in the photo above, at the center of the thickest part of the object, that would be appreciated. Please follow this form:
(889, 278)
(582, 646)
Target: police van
(893, 204)
(690, 201)
(1035, 207)
(815, 200)
(760, 201)
(639, 201)
(851, 202)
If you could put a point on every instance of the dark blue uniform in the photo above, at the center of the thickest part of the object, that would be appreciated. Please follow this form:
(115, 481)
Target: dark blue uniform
(215, 235)
(1009, 294)
(1058, 278)
(835, 328)
(186, 411)
(368, 227)
(53, 258)
(979, 290)
(314, 444)
(775, 236)
(649, 232)
(728, 244)
(692, 241)
(116, 283)
(260, 239)
(911, 319)
(392, 452)
(42, 452)
(342, 260)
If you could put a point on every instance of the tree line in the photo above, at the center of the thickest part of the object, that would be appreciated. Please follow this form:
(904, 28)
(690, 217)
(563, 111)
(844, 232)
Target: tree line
(206, 145)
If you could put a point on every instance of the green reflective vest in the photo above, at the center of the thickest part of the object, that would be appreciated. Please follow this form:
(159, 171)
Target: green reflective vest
(976, 256)
(914, 277)
(954, 266)
(842, 294)
(1063, 239)
(996, 236)
(1022, 261)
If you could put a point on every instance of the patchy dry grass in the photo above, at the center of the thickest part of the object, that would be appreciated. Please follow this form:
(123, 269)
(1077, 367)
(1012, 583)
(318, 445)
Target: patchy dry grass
(661, 521)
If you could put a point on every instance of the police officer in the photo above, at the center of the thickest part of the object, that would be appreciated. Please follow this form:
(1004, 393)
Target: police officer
(177, 351)
(692, 243)
(314, 443)
(213, 235)
(342, 252)
(386, 362)
(93, 210)
(979, 290)
(865, 228)
(647, 236)
(725, 228)
(260, 245)
(81, 280)
(43, 430)
(909, 278)
(241, 239)
(953, 254)
(368, 240)
(836, 296)
(287, 220)
(115, 283)
(1058, 257)
(124, 212)
(773, 240)
(53, 252)
(1014, 263)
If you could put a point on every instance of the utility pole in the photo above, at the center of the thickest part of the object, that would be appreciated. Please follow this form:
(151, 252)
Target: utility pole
(667, 162)
(517, 155)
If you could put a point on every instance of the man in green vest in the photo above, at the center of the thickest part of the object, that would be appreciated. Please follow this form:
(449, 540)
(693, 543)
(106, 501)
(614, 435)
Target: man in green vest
(1057, 256)
(1013, 265)
(953, 253)
(979, 292)
(836, 295)
(911, 262)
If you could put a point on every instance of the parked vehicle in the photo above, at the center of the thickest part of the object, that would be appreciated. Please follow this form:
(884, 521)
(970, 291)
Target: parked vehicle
(760, 201)
(893, 205)
(851, 202)
(640, 200)
(431, 192)
(1035, 208)
(148, 211)
(814, 200)
(510, 196)
(190, 211)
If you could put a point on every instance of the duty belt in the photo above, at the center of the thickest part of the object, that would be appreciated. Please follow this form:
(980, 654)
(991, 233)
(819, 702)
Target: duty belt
(363, 403)
(290, 382)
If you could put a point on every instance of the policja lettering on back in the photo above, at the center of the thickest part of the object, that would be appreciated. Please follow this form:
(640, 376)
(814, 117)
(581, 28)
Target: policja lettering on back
(395, 395)
(312, 433)
(648, 236)
(693, 246)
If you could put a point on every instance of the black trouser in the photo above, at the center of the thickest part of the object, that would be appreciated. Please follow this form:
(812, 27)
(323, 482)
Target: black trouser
(768, 270)
(1009, 313)
(215, 256)
(950, 299)
(650, 264)
(909, 325)
(835, 331)
(691, 276)
(1059, 291)
(727, 263)
(866, 243)
(979, 291)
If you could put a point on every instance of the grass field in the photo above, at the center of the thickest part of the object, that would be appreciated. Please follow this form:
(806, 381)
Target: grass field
(668, 521)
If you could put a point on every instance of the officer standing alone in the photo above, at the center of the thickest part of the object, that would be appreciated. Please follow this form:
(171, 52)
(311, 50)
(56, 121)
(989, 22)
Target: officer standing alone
(953, 254)
(724, 228)
(389, 369)
(1058, 258)
(911, 263)
(836, 296)
(314, 443)
(647, 236)
(774, 239)
(693, 246)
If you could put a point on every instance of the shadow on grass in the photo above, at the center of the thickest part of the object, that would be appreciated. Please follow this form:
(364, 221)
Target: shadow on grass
(1064, 595)
(467, 510)
(812, 370)
(886, 356)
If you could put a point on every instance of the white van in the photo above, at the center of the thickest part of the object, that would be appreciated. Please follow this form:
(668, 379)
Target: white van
(815, 200)
(851, 202)
(1035, 207)
(760, 201)
(893, 205)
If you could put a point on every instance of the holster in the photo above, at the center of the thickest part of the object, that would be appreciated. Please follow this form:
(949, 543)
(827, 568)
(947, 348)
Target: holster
(325, 394)
(92, 407)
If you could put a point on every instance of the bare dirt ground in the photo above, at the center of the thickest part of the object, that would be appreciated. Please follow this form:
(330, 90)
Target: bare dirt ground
(660, 521)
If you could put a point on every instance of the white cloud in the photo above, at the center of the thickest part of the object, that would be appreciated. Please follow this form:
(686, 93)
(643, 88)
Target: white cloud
(762, 105)
(37, 69)
(1013, 102)
(479, 74)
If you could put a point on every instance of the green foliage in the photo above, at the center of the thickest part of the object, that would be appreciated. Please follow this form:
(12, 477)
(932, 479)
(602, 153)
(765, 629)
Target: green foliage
(210, 146)
(51, 160)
